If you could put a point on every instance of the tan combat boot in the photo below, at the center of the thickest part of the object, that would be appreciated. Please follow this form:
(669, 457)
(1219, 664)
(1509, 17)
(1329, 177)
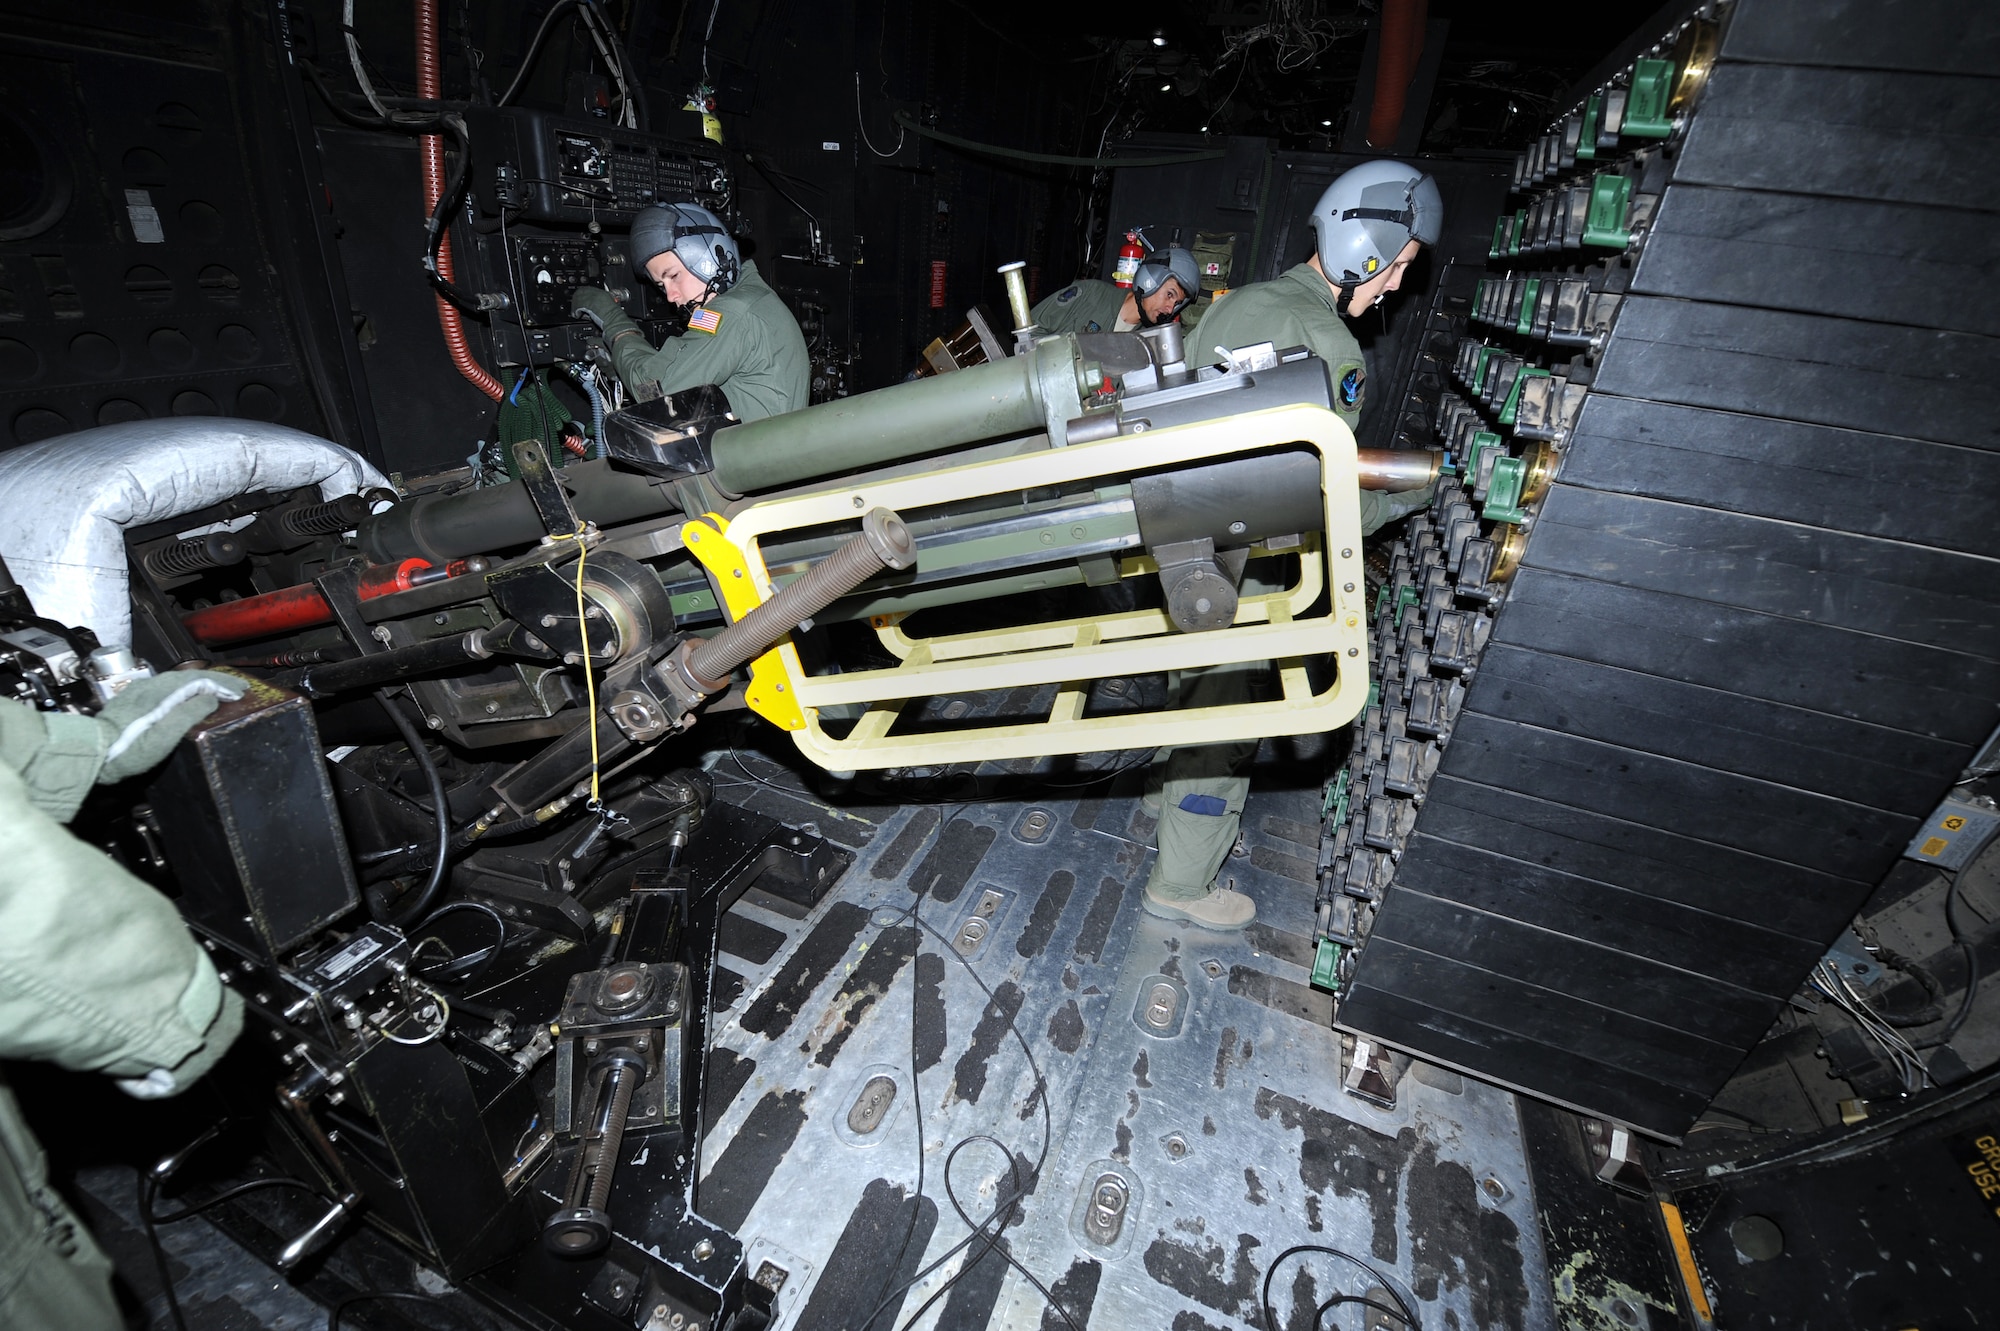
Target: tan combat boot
(1222, 909)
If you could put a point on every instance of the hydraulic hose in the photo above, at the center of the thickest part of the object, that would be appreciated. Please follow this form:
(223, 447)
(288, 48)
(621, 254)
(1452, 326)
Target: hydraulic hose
(421, 906)
(430, 86)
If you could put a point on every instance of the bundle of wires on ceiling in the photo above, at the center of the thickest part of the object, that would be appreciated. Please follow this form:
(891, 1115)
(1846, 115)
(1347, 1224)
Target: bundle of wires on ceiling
(1827, 980)
(610, 51)
(1296, 33)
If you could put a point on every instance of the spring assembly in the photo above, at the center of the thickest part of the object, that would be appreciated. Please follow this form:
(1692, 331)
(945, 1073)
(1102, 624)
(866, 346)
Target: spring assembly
(884, 543)
(215, 550)
(335, 515)
(583, 1226)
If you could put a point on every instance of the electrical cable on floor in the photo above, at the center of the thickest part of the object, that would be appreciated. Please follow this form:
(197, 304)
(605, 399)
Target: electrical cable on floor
(1408, 1315)
(1007, 1203)
(916, 1094)
(1004, 1205)
(148, 1185)
(1327, 1308)
(230, 1195)
(1964, 941)
(1933, 1008)
(1910, 1069)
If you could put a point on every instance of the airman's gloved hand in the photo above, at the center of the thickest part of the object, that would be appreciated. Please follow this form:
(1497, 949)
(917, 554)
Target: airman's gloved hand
(150, 715)
(60, 755)
(594, 304)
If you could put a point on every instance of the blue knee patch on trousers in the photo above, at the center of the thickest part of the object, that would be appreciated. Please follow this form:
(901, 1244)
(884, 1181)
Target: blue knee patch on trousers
(1212, 805)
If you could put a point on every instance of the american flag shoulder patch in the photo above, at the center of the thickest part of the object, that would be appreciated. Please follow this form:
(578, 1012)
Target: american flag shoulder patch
(705, 321)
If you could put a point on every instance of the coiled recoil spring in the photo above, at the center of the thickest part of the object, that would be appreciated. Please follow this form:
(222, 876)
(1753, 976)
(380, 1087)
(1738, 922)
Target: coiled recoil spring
(217, 549)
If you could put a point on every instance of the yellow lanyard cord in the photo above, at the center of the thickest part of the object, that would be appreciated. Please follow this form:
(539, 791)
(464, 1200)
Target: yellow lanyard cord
(589, 679)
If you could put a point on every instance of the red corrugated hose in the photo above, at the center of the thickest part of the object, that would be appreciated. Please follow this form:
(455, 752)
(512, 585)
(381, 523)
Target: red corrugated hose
(430, 85)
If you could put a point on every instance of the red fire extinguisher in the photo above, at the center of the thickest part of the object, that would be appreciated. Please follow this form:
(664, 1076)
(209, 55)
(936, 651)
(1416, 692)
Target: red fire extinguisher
(1129, 255)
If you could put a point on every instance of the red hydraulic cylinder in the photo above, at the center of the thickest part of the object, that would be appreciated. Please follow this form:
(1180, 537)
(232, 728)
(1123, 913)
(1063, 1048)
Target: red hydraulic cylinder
(293, 608)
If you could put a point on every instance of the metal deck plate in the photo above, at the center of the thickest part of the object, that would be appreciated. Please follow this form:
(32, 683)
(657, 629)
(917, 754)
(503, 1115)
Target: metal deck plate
(1191, 1076)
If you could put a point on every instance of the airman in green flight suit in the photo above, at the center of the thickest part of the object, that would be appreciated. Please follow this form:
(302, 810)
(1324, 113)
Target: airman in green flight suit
(156, 1017)
(740, 336)
(1161, 288)
(1368, 225)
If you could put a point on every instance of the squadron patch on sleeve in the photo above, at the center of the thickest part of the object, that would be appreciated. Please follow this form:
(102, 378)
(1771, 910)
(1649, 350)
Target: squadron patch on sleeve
(1352, 385)
(1068, 294)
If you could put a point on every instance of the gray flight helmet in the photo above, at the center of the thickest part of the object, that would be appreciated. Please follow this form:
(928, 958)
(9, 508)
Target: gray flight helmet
(1157, 267)
(697, 238)
(1366, 217)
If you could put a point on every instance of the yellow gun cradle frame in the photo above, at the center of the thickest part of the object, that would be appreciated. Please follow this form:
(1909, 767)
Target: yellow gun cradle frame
(1275, 626)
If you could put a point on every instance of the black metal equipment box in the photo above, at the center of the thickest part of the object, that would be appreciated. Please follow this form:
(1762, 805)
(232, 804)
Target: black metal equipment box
(247, 819)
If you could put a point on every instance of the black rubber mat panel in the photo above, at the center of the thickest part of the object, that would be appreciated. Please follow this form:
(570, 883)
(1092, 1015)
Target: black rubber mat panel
(1449, 1035)
(1656, 1050)
(1603, 922)
(1843, 480)
(743, 937)
(1946, 694)
(1755, 633)
(914, 835)
(952, 861)
(1076, 1291)
(1853, 133)
(1913, 593)
(1789, 746)
(726, 1075)
(1863, 376)
(771, 1012)
(1719, 881)
(1898, 263)
(864, 1265)
(969, 1306)
(1946, 36)
(1712, 1009)
(1847, 840)
(738, 1179)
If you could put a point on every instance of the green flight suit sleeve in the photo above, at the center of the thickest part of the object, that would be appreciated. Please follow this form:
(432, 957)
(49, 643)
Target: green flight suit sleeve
(630, 351)
(53, 756)
(97, 971)
(696, 358)
(1378, 509)
(756, 355)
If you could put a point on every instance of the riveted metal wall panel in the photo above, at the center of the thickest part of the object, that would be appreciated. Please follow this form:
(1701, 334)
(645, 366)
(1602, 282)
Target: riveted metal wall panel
(164, 275)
